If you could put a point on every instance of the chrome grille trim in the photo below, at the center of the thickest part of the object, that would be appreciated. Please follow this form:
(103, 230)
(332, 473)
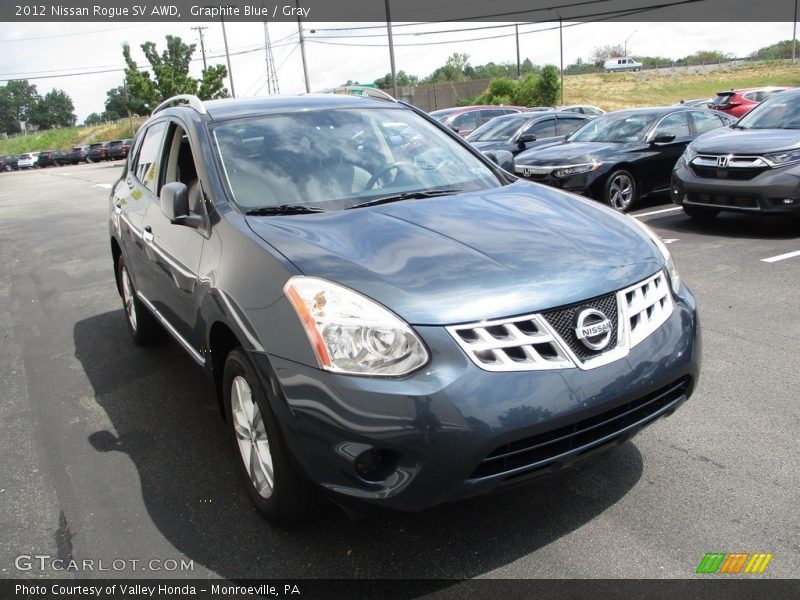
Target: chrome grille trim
(524, 343)
(646, 306)
(733, 161)
(529, 342)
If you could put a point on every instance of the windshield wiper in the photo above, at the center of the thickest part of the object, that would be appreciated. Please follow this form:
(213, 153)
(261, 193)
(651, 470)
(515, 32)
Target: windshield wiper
(283, 209)
(405, 196)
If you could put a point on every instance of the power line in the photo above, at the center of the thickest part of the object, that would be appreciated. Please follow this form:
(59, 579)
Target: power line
(60, 35)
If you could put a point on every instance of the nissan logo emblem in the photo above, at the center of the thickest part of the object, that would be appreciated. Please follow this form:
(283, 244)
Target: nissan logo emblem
(593, 329)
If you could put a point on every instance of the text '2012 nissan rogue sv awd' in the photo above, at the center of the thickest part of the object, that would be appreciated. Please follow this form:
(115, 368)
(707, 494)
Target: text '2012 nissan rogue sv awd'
(391, 319)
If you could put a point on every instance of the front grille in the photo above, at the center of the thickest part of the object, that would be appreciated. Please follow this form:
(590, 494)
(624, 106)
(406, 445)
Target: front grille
(548, 340)
(565, 444)
(729, 174)
(724, 200)
(521, 343)
(563, 320)
(646, 306)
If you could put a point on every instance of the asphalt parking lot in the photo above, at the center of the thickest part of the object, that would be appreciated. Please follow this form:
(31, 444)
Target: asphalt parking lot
(111, 451)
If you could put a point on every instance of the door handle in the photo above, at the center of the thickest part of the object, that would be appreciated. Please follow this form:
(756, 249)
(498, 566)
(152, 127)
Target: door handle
(147, 235)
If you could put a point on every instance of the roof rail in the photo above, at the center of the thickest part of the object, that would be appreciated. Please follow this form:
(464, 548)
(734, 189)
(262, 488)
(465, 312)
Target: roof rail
(194, 102)
(359, 90)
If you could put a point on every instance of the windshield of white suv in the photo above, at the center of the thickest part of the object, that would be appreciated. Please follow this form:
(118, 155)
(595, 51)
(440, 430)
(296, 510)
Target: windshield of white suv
(781, 111)
(337, 158)
(620, 129)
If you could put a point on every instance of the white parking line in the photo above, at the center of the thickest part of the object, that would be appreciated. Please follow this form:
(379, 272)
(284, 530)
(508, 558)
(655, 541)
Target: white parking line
(106, 186)
(671, 240)
(657, 212)
(773, 259)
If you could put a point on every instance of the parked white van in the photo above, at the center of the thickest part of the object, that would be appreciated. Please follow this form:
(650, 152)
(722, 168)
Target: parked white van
(622, 63)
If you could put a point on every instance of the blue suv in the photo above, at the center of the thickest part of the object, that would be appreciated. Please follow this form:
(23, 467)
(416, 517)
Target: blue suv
(387, 316)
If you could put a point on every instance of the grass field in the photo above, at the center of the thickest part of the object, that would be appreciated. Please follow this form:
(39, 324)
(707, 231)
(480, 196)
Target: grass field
(65, 139)
(612, 91)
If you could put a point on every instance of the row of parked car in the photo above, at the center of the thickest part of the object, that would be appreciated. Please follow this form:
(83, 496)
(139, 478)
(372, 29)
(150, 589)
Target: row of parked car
(707, 157)
(99, 151)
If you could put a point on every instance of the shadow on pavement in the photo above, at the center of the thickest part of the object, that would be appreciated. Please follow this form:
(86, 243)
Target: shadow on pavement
(167, 420)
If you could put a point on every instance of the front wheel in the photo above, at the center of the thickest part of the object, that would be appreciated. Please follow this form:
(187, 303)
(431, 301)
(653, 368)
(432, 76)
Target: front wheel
(702, 213)
(142, 325)
(621, 191)
(281, 494)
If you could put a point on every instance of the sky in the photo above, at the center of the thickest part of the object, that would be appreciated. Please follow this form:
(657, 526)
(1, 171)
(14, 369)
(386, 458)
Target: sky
(73, 52)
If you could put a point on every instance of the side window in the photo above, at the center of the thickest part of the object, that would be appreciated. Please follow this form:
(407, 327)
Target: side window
(567, 126)
(180, 165)
(488, 115)
(753, 96)
(542, 129)
(465, 121)
(675, 124)
(704, 121)
(147, 161)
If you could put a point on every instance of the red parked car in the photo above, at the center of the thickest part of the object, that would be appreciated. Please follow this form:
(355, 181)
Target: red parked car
(466, 119)
(738, 103)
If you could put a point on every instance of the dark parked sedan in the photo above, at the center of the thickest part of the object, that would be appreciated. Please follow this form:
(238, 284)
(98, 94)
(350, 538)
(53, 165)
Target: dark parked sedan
(79, 154)
(97, 152)
(752, 167)
(390, 327)
(523, 131)
(619, 157)
(118, 149)
(8, 163)
(52, 158)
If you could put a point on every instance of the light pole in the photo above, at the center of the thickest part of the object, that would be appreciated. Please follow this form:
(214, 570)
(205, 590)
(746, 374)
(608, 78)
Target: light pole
(625, 47)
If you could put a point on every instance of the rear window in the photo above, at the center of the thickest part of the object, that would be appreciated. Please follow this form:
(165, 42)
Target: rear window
(722, 98)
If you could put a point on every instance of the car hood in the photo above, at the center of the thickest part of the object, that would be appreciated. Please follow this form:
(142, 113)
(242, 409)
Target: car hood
(569, 152)
(447, 260)
(746, 141)
(494, 145)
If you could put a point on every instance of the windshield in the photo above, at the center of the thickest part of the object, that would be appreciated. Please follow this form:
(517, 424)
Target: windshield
(333, 159)
(500, 129)
(781, 111)
(615, 128)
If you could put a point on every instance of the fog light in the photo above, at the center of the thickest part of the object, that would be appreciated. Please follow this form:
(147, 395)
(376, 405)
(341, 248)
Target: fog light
(375, 464)
(789, 201)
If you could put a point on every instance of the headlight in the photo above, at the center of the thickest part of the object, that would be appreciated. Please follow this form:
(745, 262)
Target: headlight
(781, 159)
(576, 169)
(672, 270)
(688, 155)
(351, 333)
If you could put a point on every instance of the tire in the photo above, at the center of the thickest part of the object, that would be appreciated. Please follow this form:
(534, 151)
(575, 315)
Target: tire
(283, 496)
(702, 213)
(621, 191)
(142, 325)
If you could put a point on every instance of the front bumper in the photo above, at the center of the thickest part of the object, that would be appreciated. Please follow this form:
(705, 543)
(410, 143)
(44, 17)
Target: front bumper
(448, 423)
(584, 184)
(772, 191)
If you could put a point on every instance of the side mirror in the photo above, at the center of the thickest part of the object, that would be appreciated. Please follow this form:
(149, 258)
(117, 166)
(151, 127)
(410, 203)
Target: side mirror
(526, 137)
(664, 138)
(454, 128)
(502, 158)
(175, 205)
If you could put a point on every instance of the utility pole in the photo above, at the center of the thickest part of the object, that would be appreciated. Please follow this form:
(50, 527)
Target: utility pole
(202, 46)
(272, 76)
(227, 56)
(391, 49)
(561, 43)
(128, 104)
(302, 48)
(794, 33)
(516, 32)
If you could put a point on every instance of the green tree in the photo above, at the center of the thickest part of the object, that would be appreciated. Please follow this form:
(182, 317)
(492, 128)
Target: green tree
(170, 75)
(94, 119)
(526, 93)
(776, 51)
(117, 105)
(19, 99)
(548, 86)
(55, 109)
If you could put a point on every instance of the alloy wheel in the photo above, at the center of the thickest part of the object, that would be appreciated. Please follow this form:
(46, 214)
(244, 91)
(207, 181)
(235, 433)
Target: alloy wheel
(251, 437)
